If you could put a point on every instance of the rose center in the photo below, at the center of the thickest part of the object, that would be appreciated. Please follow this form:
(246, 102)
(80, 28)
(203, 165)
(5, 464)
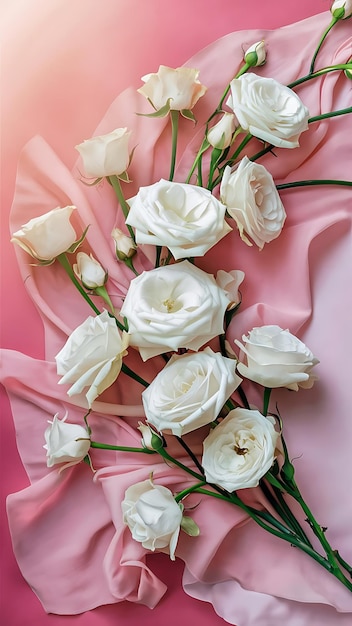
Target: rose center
(240, 451)
(169, 304)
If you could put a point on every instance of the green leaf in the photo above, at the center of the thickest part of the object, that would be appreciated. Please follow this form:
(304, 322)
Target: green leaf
(161, 113)
(189, 526)
(187, 113)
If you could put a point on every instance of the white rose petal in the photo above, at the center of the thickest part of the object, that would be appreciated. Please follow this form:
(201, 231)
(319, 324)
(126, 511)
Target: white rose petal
(187, 219)
(47, 236)
(240, 450)
(276, 358)
(181, 86)
(106, 155)
(92, 356)
(190, 391)
(268, 110)
(153, 516)
(89, 271)
(65, 442)
(171, 307)
(252, 200)
(230, 282)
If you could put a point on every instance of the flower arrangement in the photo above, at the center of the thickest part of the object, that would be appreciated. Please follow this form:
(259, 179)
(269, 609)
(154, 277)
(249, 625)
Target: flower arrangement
(182, 317)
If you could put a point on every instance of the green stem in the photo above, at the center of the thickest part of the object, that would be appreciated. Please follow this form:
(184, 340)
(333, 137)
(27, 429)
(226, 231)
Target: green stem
(342, 562)
(190, 454)
(121, 198)
(174, 461)
(326, 31)
(324, 70)
(266, 399)
(102, 292)
(63, 260)
(324, 116)
(241, 71)
(107, 446)
(307, 183)
(185, 492)
(133, 375)
(174, 116)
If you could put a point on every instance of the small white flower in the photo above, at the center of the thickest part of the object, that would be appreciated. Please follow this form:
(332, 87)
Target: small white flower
(125, 246)
(92, 356)
(220, 135)
(190, 391)
(240, 450)
(171, 307)
(268, 110)
(153, 516)
(89, 271)
(47, 236)
(65, 442)
(256, 54)
(180, 86)
(106, 155)
(253, 201)
(273, 357)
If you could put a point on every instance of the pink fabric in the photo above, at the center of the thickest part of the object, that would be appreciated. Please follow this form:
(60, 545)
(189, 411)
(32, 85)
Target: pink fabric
(66, 529)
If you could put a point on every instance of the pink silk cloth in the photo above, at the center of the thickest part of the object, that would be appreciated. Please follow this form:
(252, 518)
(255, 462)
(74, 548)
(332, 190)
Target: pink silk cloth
(67, 531)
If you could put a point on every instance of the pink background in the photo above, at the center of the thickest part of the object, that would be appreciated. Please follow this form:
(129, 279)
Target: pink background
(57, 56)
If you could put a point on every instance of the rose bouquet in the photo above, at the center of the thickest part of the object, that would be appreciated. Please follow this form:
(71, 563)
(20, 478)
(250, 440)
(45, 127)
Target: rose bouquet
(209, 431)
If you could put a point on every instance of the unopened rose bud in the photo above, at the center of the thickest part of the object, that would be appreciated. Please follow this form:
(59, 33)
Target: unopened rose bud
(220, 135)
(150, 439)
(341, 9)
(125, 246)
(89, 271)
(256, 54)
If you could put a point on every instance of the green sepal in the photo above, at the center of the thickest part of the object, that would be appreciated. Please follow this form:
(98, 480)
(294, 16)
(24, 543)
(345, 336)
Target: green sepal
(287, 471)
(161, 113)
(274, 482)
(95, 182)
(188, 114)
(77, 243)
(189, 526)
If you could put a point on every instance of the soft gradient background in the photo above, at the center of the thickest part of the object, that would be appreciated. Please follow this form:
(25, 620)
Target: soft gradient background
(63, 63)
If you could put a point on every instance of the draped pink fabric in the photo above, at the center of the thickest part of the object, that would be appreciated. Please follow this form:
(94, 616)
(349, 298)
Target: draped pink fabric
(67, 531)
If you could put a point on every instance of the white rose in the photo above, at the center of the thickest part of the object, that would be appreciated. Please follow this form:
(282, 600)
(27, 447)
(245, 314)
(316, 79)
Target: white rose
(230, 282)
(171, 307)
(276, 358)
(153, 516)
(106, 155)
(240, 450)
(268, 110)
(220, 135)
(181, 86)
(47, 236)
(92, 356)
(341, 9)
(190, 391)
(187, 219)
(65, 443)
(256, 54)
(89, 271)
(252, 200)
(124, 245)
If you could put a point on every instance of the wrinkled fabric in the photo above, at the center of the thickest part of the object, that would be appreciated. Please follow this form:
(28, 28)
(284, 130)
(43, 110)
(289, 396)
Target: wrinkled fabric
(300, 281)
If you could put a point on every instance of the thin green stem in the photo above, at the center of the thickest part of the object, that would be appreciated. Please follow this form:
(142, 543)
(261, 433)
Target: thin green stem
(107, 446)
(133, 375)
(266, 399)
(63, 260)
(281, 507)
(174, 116)
(185, 492)
(307, 183)
(324, 70)
(190, 454)
(121, 198)
(324, 116)
(322, 38)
